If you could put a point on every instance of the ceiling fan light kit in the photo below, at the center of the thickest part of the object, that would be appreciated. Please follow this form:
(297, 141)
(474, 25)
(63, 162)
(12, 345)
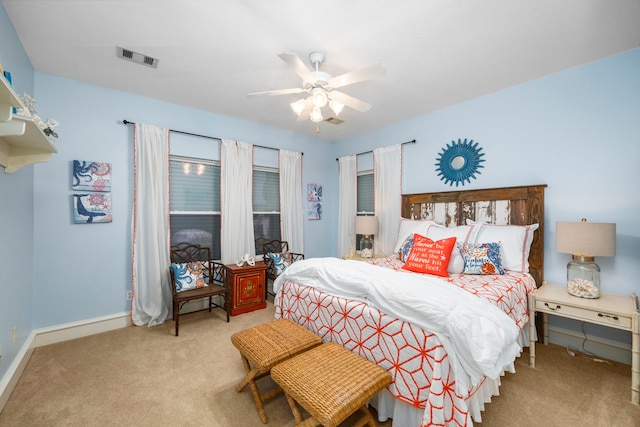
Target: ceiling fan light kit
(299, 106)
(320, 87)
(319, 96)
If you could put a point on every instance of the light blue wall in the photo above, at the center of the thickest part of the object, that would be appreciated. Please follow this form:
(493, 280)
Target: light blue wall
(577, 131)
(84, 270)
(16, 219)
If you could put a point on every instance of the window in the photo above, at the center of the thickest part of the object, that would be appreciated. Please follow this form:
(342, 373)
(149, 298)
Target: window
(195, 203)
(365, 193)
(266, 205)
(365, 202)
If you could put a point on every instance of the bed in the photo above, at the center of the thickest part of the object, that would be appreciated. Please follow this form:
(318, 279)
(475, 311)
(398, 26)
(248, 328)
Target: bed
(445, 335)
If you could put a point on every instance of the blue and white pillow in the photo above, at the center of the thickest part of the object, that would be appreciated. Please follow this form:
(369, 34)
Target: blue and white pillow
(188, 275)
(280, 261)
(483, 258)
(405, 248)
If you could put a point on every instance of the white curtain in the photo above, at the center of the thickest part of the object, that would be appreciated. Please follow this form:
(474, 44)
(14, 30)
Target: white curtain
(387, 169)
(291, 212)
(347, 207)
(151, 302)
(236, 203)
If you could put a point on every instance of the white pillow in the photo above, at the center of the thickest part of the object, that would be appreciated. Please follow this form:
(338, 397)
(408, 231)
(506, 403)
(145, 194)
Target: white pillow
(515, 243)
(463, 234)
(409, 227)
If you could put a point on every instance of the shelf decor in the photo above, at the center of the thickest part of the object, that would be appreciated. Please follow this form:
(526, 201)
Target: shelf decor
(22, 139)
(459, 162)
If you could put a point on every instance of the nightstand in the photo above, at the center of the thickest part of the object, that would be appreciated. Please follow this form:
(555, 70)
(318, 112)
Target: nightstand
(247, 287)
(616, 311)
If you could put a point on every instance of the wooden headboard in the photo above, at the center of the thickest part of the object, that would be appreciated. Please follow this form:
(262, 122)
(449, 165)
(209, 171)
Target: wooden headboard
(506, 205)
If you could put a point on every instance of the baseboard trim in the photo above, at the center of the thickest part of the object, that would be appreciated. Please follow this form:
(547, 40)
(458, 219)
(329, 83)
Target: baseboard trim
(10, 379)
(52, 335)
(601, 347)
(69, 331)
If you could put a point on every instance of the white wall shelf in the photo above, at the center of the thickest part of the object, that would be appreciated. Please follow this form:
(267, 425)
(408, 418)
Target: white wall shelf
(22, 142)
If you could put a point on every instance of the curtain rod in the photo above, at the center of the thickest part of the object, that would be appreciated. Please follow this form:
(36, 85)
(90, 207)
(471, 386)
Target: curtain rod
(413, 141)
(127, 122)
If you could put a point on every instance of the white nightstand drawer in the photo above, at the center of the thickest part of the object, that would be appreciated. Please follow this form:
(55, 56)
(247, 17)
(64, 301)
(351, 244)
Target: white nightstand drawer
(616, 311)
(590, 315)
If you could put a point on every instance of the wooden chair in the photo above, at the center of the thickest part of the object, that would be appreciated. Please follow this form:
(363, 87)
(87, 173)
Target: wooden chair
(276, 247)
(212, 277)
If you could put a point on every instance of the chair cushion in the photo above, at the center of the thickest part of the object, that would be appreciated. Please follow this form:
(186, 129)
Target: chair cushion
(188, 275)
(280, 261)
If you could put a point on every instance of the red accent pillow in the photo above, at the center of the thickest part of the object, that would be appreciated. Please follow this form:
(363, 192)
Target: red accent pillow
(430, 257)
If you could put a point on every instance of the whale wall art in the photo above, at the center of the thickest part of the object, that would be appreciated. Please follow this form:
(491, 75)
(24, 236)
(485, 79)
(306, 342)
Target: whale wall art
(91, 208)
(93, 205)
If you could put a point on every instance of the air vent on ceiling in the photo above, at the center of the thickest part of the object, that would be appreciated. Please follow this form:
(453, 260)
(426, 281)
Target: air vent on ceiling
(136, 57)
(334, 120)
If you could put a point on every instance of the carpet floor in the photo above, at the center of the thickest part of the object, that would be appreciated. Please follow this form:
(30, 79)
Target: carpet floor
(140, 376)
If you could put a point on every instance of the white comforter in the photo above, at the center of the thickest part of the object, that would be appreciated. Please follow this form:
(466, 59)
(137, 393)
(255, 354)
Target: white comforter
(479, 338)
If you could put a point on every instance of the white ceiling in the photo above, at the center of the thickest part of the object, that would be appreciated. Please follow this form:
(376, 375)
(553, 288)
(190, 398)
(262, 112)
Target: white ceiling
(212, 53)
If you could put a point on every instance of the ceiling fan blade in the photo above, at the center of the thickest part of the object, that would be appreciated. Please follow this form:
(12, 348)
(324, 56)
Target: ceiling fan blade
(298, 66)
(349, 101)
(277, 92)
(358, 76)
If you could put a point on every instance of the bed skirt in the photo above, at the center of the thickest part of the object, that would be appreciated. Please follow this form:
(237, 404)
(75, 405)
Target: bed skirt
(403, 414)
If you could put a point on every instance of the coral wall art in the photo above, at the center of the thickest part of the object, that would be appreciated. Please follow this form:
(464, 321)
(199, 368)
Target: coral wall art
(314, 201)
(314, 192)
(91, 176)
(91, 208)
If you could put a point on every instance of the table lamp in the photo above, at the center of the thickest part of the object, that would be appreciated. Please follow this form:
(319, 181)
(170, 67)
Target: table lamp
(366, 226)
(584, 241)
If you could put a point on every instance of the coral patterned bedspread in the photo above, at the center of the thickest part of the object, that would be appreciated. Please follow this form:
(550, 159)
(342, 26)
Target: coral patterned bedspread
(422, 371)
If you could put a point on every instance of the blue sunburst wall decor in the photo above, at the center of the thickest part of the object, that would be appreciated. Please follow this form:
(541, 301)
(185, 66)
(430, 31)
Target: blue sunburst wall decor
(459, 162)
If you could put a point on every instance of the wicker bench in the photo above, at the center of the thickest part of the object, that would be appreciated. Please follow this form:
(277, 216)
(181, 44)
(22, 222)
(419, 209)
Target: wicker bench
(331, 383)
(266, 345)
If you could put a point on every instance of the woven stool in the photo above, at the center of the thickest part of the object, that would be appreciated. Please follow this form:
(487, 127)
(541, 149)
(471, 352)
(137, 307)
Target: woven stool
(263, 346)
(331, 383)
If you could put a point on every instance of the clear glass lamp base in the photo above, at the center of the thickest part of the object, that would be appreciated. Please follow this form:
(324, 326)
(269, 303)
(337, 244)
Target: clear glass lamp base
(583, 277)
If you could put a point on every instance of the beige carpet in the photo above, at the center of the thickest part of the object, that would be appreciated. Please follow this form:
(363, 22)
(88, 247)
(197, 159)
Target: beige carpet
(141, 376)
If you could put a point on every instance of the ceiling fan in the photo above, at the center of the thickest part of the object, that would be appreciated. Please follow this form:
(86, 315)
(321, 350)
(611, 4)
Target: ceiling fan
(320, 87)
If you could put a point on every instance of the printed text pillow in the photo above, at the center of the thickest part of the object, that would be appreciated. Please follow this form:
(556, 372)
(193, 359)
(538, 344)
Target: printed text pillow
(462, 233)
(428, 256)
(515, 243)
(409, 227)
(482, 258)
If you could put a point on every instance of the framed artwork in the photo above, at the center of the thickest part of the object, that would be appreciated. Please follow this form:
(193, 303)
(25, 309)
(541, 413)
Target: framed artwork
(91, 208)
(91, 176)
(314, 210)
(314, 201)
(314, 192)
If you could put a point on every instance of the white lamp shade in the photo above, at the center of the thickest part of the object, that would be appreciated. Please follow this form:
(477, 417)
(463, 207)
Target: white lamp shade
(316, 115)
(319, 97)
(366, 225)
(298, 106)
(336, 107)
(586, 238)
